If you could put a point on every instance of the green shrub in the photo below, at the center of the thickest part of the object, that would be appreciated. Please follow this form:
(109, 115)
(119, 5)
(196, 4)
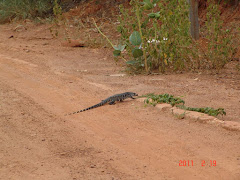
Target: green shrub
(22, 9)
(156, 36)
(220, 49)
(164, 31)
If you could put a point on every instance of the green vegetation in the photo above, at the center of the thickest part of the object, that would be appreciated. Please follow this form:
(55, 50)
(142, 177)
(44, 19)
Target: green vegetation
(154, 99)
(162, 98)
(220, 48)
(206, 110)
(156, 36)
(22, 9)
(58, 19)
(160, 29)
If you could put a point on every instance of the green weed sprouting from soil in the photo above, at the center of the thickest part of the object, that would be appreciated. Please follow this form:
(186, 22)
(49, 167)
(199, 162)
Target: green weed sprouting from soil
(22, 9)
(57, 20)
(162, 98)
(206, 110)
(154, 99)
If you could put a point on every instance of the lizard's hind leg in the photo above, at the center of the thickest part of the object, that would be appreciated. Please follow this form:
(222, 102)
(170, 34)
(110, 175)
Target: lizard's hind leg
(112, 103)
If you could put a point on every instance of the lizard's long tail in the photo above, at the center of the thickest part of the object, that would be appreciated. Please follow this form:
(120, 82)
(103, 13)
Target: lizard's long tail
(94, 106)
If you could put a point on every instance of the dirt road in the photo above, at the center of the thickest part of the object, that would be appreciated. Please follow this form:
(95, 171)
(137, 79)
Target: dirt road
(40, 81)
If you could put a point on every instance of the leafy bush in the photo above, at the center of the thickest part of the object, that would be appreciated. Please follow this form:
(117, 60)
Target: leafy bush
(162, 28)
(220, 48)
(156, 35)
(22, 9)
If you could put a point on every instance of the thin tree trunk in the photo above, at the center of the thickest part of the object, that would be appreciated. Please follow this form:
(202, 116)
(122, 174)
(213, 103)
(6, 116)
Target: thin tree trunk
(193, 16)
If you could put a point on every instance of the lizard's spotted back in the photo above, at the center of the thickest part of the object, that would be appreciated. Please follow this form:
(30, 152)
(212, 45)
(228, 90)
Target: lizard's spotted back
(111, 100)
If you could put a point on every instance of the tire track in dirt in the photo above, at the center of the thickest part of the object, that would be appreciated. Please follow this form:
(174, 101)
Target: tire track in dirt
(38, 145)
(134, 142)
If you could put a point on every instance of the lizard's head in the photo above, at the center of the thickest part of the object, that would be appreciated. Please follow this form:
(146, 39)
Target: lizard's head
(132, 94)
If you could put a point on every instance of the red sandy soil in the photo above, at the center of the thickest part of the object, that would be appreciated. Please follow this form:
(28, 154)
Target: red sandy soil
(40, 81)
